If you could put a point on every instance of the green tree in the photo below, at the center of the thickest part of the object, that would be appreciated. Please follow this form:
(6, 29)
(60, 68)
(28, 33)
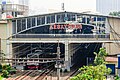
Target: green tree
(100, 57)
(115, 13)
(97, 72)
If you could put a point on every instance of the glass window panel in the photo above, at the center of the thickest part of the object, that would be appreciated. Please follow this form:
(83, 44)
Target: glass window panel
(60, 18)
(48, 19)
(19, 25)
(38, 20)
(43, 20)
(33, 22)
(29, 24)
(23, 24)
(53, 19)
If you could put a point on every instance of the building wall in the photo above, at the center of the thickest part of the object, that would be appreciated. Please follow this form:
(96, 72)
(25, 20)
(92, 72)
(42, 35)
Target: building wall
(107, 6)
(5, 32)
(114, 24)
(113, 48)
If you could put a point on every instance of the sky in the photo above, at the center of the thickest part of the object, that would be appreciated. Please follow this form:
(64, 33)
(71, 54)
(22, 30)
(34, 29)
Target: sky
(45, 6)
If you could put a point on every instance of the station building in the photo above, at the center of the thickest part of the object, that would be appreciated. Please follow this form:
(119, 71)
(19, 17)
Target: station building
(77, 35)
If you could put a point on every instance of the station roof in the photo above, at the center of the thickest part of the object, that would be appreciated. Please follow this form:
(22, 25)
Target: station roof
(89, 14)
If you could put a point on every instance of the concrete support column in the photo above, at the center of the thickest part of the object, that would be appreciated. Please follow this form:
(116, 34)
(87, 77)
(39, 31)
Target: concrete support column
(8, 49)
(70, 54)
(67, 61)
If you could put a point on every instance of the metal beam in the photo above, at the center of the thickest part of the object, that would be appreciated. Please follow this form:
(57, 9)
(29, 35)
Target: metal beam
(63, 41)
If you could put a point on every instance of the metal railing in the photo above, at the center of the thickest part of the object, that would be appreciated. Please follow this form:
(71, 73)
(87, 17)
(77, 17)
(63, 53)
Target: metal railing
(30, 60)
(62, 36)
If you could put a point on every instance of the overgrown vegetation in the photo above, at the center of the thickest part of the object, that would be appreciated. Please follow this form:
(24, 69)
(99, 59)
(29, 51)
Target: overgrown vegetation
(5, 69)
(97, 72)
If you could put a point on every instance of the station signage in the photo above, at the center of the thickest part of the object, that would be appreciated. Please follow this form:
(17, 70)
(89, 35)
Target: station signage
(65, 26)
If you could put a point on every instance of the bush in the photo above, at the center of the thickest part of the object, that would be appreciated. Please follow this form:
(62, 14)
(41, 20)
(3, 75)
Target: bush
(9, 69)
(5, 73)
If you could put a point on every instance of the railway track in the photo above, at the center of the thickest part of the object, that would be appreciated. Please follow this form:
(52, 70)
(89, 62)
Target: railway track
(44, 74)
(23, 76)
(72, 74)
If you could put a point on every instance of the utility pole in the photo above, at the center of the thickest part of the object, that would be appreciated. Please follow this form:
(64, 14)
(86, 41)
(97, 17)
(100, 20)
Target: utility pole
(58, 66)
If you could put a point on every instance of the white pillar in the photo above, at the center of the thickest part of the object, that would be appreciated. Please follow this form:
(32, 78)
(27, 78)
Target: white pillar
(85, 19)
(35, 21)
(55, 18)
(26, 24)
(45, 19)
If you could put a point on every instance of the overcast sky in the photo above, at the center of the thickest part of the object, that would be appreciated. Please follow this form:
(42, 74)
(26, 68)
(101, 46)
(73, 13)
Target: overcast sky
(70, 5)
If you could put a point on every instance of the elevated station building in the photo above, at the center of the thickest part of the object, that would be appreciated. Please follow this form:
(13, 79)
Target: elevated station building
(79, 36)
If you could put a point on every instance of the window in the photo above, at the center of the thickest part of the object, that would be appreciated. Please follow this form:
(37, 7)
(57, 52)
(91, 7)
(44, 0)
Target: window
(60, 18)
(23, 24)
(43, 20)
(19, 25)
(33, 22)
(38, 20)
(71, 17)
(48, 19)
(52, 18)
(13, 26)
(29, 24)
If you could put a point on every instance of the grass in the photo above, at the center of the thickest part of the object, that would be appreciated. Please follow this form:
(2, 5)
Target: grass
(1, 77)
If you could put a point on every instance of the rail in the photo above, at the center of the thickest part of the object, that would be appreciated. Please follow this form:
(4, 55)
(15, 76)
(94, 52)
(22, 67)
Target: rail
(62, 36)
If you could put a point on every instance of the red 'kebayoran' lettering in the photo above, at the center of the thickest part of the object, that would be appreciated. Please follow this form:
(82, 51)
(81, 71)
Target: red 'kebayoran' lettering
(66, 26)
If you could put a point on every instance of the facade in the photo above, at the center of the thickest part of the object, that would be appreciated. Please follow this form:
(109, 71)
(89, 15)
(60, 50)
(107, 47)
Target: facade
(107, 6)
(15, 8)
(78, 36)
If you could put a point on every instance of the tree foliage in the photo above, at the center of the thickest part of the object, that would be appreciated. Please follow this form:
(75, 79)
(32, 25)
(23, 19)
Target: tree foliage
(97, 72)
(115, 13)
(100, 57)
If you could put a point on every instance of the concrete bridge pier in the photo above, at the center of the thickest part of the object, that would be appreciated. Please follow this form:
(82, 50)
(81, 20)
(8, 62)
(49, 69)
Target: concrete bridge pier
(67, 56)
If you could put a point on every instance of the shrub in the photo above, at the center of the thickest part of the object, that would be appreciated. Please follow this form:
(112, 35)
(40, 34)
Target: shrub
(5, 73)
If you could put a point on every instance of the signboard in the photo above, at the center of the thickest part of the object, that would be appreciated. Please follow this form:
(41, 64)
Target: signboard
(66, 26)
